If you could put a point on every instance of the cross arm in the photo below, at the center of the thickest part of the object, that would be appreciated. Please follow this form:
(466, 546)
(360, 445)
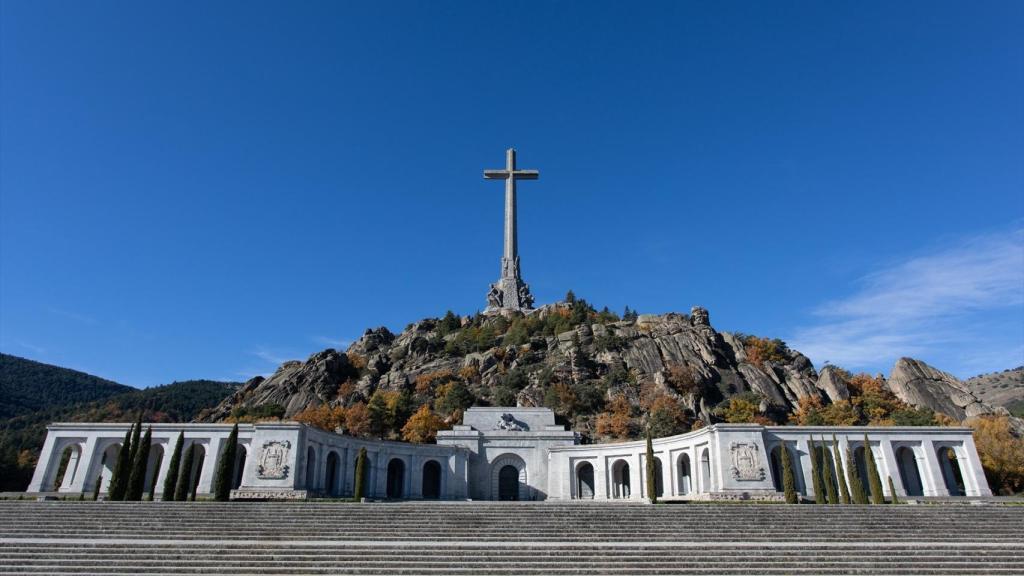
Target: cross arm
(526, 174)
(496, 174)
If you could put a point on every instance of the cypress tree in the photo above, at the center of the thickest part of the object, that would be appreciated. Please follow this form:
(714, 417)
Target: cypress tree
(819, 486)
(826, 473)
(873, 479)
(652, 494)
(195, 488)
(137, 479)
(788, 481)
(119, 480)
(226, 468)
(360, 475)
(96, 489)
(892, 490)
(152, 484)
(136, 433)
(856, 487)
(172, 469)
(844, 493)
(181, 489)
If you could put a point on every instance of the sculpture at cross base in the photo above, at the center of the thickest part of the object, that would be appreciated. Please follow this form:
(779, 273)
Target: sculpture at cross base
(510, 292)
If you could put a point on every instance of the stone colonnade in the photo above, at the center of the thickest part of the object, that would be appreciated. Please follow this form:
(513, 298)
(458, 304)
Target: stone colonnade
(738, 461)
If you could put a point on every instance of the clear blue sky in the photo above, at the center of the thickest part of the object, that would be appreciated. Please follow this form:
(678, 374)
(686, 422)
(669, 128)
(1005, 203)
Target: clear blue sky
(202, 189)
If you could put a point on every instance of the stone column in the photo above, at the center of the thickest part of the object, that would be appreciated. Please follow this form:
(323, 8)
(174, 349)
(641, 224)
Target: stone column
(165, 463)
(213, 447)
(975, 483)
(892, 465)
(85, 478)
(803, 455)
(934, 483)
(43, 471)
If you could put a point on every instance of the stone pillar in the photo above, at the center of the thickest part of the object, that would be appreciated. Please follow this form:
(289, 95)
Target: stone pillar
(206, 475)
(803, 456)
(85, 478)
(43, 471)
(601, 483)
(934, 483)
(165, 463)
(975, 483)
(892, 465)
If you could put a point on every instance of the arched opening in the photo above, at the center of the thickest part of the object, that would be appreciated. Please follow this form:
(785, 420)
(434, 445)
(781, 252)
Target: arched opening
(907, 462)
(508, 483)
(705, 471)
(310, 468)
(156, 458)
(396, 478)
(659, 484)
(67, 468)
(775, 461)
(431, 480)
(951, 472)
(240, 456)
(685, 483)
(199, 459)
(585, 481)
(107, 464)
(620, 479)
(331, 480)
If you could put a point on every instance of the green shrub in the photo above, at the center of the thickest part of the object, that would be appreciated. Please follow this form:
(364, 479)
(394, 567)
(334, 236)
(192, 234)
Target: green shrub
(181, 488)
(119, 479)
(172, 469)
(226, 468)
(816, 481)
(873, 479)
(788, 481)
(137, 479)
(652, 493)
(857, 493)
(360, 475)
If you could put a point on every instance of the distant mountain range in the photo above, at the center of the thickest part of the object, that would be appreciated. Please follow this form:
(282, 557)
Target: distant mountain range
(33, 394)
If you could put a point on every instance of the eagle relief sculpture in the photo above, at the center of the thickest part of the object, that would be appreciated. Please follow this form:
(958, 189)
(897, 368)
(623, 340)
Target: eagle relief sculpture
(509, 422)
(746, 461)
(272, 461)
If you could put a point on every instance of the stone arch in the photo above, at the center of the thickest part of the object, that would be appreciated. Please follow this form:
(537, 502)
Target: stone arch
(240, 457)
(620, 479)
(107, 464)
(499, 469)
(67, 468)
(198, 462)
(685, 474)
(331, 474)
(156, 458)
(705, 471)
(310, 468)
(910, 474)
(952, 473)
(431, 480)
(659, 478)
(585, 481)
(396, 478)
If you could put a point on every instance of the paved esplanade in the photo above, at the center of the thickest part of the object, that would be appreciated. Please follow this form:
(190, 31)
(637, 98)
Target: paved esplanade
(510, 292)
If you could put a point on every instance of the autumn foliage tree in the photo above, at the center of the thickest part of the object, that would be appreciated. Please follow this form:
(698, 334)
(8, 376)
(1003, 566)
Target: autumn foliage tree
(617, 420)
(1001, 453)
(422, 426)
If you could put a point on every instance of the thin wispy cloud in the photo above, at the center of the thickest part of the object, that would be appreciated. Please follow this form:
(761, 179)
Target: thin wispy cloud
(83, 318)
(336, 343)
(269, 356)
(944, 304)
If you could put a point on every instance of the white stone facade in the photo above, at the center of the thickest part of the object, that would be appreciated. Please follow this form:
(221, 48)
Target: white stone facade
(518, 454)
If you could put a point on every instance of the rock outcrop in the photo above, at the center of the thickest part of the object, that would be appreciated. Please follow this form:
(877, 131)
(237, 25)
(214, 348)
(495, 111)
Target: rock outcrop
(920, 385)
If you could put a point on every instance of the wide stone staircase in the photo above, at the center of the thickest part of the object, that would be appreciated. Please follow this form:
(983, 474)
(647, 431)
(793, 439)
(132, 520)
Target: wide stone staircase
(507, 538)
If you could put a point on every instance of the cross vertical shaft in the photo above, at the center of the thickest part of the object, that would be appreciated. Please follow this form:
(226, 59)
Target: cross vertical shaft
(510, 292)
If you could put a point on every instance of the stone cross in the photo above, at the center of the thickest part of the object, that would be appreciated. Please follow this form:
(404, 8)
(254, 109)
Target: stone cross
(510, 292)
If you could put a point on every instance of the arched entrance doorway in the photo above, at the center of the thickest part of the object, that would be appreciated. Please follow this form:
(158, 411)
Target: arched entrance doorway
(685, 486)
(396, 478)
(909, 472)
(508, 478)
(585, 481)
(67, 468)
(620, 479)
(508, 483)
(432, 480)
(951, 473)
(331, 481)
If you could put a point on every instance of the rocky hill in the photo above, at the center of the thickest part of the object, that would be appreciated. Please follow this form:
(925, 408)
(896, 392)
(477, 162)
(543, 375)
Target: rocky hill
(586, 365)
(1004, 388)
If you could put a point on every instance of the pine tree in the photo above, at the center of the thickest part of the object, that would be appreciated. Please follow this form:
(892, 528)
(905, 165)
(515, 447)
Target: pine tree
(172, 469)
(119, 480)
(819, 486)
(826, 473)
(857, 493)
(788, 481)
(652, 485)
(892, 491)
(226, 468)
(137, 479)
(844, 493)
(181, 488)
(877, 497)
(136, 433)
(360, 475)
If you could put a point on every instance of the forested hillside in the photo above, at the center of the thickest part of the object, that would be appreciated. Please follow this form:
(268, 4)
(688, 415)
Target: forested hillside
(33, 395)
